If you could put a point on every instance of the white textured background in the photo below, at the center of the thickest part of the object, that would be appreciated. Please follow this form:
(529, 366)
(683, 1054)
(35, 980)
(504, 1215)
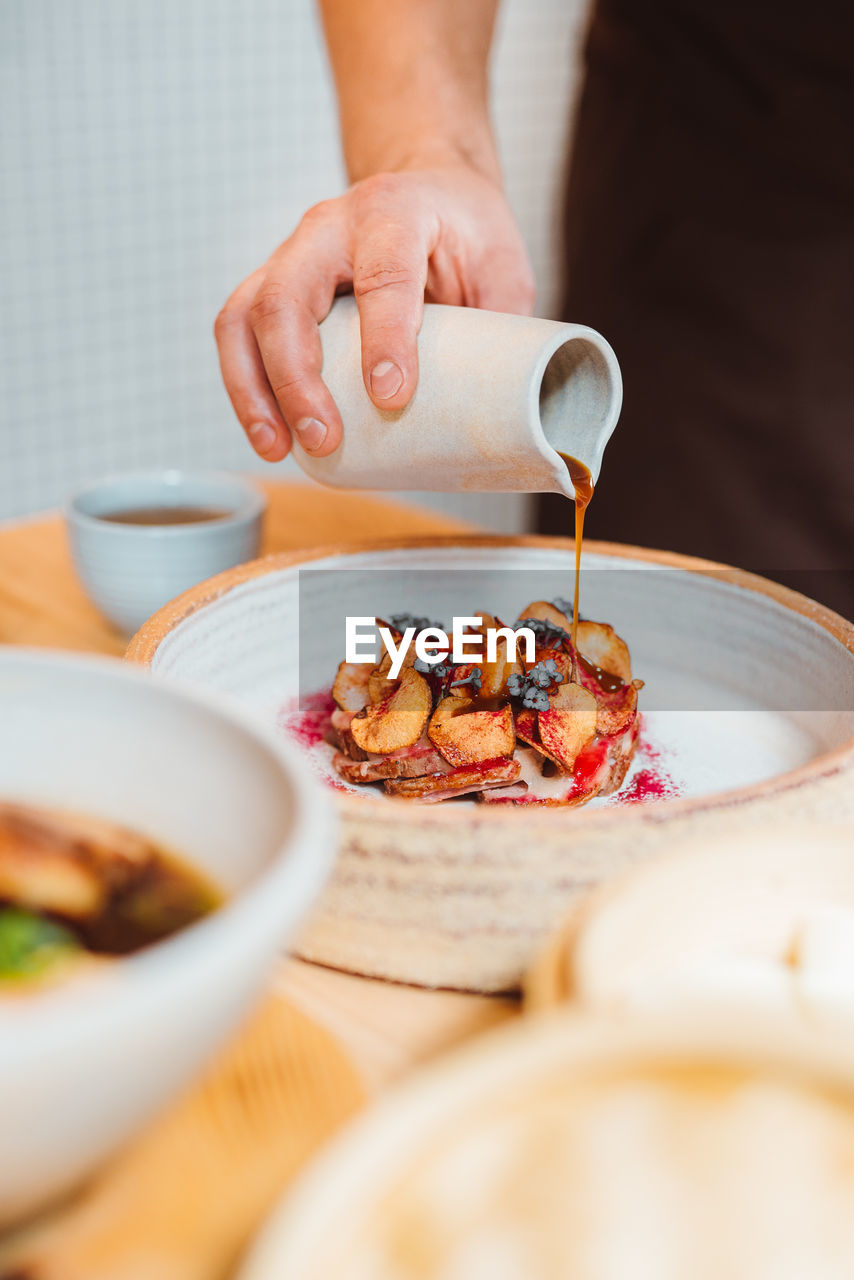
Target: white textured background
(153, 153)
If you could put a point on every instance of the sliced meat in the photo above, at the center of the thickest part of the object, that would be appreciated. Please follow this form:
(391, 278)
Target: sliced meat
(517, 792)
(457, 782)
(347, 745)
(423, 754)
(341, 737)
(408, 762)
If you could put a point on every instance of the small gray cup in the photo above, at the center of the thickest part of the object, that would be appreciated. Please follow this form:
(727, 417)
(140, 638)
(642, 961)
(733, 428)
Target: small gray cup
(130, 570)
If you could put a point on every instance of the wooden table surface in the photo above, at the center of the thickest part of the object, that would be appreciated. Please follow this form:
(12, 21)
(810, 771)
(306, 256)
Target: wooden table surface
(380, 1029)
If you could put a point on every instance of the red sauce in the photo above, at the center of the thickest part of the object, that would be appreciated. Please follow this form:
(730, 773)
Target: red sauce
(588, 763)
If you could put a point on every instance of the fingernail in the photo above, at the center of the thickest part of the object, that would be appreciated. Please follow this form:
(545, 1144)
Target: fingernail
(386, 379)
(311, 432)
(261, 436)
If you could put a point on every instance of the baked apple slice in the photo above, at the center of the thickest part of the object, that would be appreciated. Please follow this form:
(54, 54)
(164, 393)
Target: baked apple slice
(464, 735)
(554, 748)
(494, 675)
(379, 684)
(526, 728)
(398, 720)
(548, 613)
(621, 751)
(351, 690)
(599, 644)
(568, 725)
(617, 710)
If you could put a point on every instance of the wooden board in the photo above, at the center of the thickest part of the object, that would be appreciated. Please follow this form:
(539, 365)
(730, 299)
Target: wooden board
(379, 1030)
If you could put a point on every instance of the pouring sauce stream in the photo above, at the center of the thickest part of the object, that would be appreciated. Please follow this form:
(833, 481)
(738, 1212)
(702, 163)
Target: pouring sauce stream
(582, 483)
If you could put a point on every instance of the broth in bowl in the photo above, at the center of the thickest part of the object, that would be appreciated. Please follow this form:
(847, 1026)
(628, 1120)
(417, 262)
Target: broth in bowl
(75, 890)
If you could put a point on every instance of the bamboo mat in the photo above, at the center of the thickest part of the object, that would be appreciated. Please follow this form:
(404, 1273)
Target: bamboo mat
(349, 1037)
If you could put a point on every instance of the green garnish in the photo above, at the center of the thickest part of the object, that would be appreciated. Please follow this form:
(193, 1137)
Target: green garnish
(31, 945)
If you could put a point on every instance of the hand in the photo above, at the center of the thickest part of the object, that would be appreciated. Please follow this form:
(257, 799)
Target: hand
(394, 239)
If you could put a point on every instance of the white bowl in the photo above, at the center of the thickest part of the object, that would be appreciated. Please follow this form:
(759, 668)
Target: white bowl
(131, 570)
(764, 921)
(591, 1148)
(84, 1064)
(748, 710)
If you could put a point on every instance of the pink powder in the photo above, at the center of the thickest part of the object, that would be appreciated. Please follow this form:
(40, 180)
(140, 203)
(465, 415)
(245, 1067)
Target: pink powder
(308, 721)
(653, 782)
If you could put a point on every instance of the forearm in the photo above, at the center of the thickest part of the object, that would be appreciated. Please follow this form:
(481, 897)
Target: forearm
(425, 219)
(412, 79)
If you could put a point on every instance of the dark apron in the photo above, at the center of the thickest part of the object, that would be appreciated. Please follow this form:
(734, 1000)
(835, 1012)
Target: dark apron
(710, 237)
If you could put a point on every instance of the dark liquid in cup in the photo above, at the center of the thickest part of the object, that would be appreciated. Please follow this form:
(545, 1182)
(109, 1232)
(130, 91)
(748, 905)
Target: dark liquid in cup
(165, 515)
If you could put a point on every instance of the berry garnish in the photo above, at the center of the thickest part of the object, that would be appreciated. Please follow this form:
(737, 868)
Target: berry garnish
(532, 688)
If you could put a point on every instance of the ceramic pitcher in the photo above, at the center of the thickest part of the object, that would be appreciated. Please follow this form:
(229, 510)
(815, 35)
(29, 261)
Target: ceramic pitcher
(499, 398)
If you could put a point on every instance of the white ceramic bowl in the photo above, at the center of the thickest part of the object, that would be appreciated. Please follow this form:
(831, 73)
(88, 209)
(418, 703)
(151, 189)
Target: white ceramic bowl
(749, 718)
(86, 1063)
(762, 921)
(591, 1148)
(131, 570)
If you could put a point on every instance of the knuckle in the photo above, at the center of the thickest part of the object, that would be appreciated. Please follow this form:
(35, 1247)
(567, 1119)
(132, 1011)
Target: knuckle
(287, 385)
(319, 215)
(384, 274)
(224, 322)
(270, 301)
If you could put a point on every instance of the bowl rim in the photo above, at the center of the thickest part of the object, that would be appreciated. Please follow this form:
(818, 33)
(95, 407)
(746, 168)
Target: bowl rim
(144, 645)
(250, 498)
(297, 870)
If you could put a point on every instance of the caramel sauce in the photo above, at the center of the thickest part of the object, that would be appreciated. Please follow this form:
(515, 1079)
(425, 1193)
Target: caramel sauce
(582, 483)
(606, 680)
(486, 704)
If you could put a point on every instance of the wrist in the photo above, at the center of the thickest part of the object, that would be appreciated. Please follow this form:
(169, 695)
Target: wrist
(475, 152)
